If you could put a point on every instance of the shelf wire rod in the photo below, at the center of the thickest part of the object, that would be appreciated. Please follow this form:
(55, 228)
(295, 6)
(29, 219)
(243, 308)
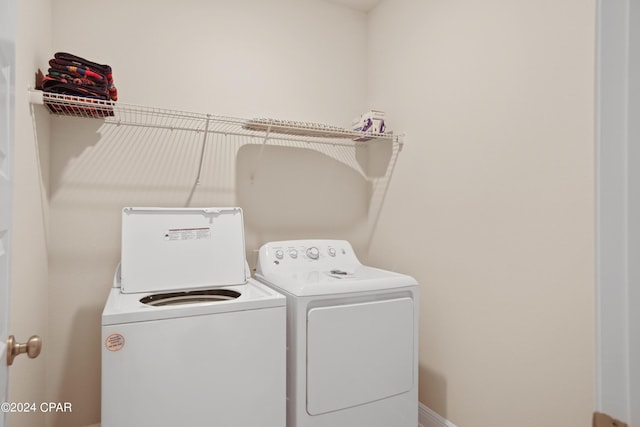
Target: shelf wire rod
(266, 135)
(252, 177)
(204, 144)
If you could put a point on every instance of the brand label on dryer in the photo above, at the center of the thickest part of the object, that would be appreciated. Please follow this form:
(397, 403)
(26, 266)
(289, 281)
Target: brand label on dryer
(188, 233)
(114, 342)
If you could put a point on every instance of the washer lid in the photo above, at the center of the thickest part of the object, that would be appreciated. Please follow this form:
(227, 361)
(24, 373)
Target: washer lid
(181, 248)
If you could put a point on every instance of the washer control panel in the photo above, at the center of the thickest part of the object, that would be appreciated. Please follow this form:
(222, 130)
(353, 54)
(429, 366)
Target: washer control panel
(303, 255)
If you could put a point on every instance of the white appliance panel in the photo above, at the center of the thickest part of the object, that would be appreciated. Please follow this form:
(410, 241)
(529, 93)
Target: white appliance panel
(321, 267)
(178, 372)
(359, 353)
(181, 248)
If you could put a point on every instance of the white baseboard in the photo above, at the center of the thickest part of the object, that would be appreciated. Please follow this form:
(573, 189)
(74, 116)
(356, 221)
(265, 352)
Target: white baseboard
(429, 418)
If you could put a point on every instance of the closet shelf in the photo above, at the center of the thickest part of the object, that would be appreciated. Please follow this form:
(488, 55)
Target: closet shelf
(119, 113)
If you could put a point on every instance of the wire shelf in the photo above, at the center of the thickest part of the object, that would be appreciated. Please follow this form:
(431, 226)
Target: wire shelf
(119, 113)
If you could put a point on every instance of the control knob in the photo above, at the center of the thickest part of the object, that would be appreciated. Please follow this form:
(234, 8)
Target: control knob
(279, 253)
(332, 252)
(313, 252)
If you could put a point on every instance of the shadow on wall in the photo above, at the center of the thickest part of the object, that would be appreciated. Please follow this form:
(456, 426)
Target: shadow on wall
(98, 164)
(280, 184)
(79, 135)
(289, 188)
(433, 389)
(42, 136)
(298, 190)
(80, 372)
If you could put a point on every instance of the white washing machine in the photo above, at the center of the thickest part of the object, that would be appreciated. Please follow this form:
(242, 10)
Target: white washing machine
(188, 338)
(352, 336)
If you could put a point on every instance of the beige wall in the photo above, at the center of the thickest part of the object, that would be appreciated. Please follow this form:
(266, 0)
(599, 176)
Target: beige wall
(491, 206)
(29, 308)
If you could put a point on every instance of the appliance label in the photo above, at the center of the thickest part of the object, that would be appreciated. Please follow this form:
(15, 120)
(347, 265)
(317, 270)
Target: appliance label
(188, 233)
(114, 342)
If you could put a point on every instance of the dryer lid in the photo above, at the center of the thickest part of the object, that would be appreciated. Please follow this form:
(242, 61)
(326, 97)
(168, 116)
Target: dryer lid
(181, 248)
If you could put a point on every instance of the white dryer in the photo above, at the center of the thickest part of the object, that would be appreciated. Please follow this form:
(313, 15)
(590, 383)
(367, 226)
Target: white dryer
(188, 338)
(352, 336)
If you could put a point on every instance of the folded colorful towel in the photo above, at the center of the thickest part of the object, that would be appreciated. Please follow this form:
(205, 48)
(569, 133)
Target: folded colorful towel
(88, 69)
(74, 69)
(82, 62)
(62, 86)
(74, 76)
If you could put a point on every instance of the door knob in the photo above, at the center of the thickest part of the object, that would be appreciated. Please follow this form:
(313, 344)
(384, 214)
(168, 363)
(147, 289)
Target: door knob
(31, 347)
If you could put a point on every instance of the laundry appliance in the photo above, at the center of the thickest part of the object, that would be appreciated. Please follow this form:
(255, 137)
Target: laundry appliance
(352, 336)
(188, 338)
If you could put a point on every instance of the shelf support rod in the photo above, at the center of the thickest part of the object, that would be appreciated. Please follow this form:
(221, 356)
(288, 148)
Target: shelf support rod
(204, 144)
(259, 161)
(266, 135)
